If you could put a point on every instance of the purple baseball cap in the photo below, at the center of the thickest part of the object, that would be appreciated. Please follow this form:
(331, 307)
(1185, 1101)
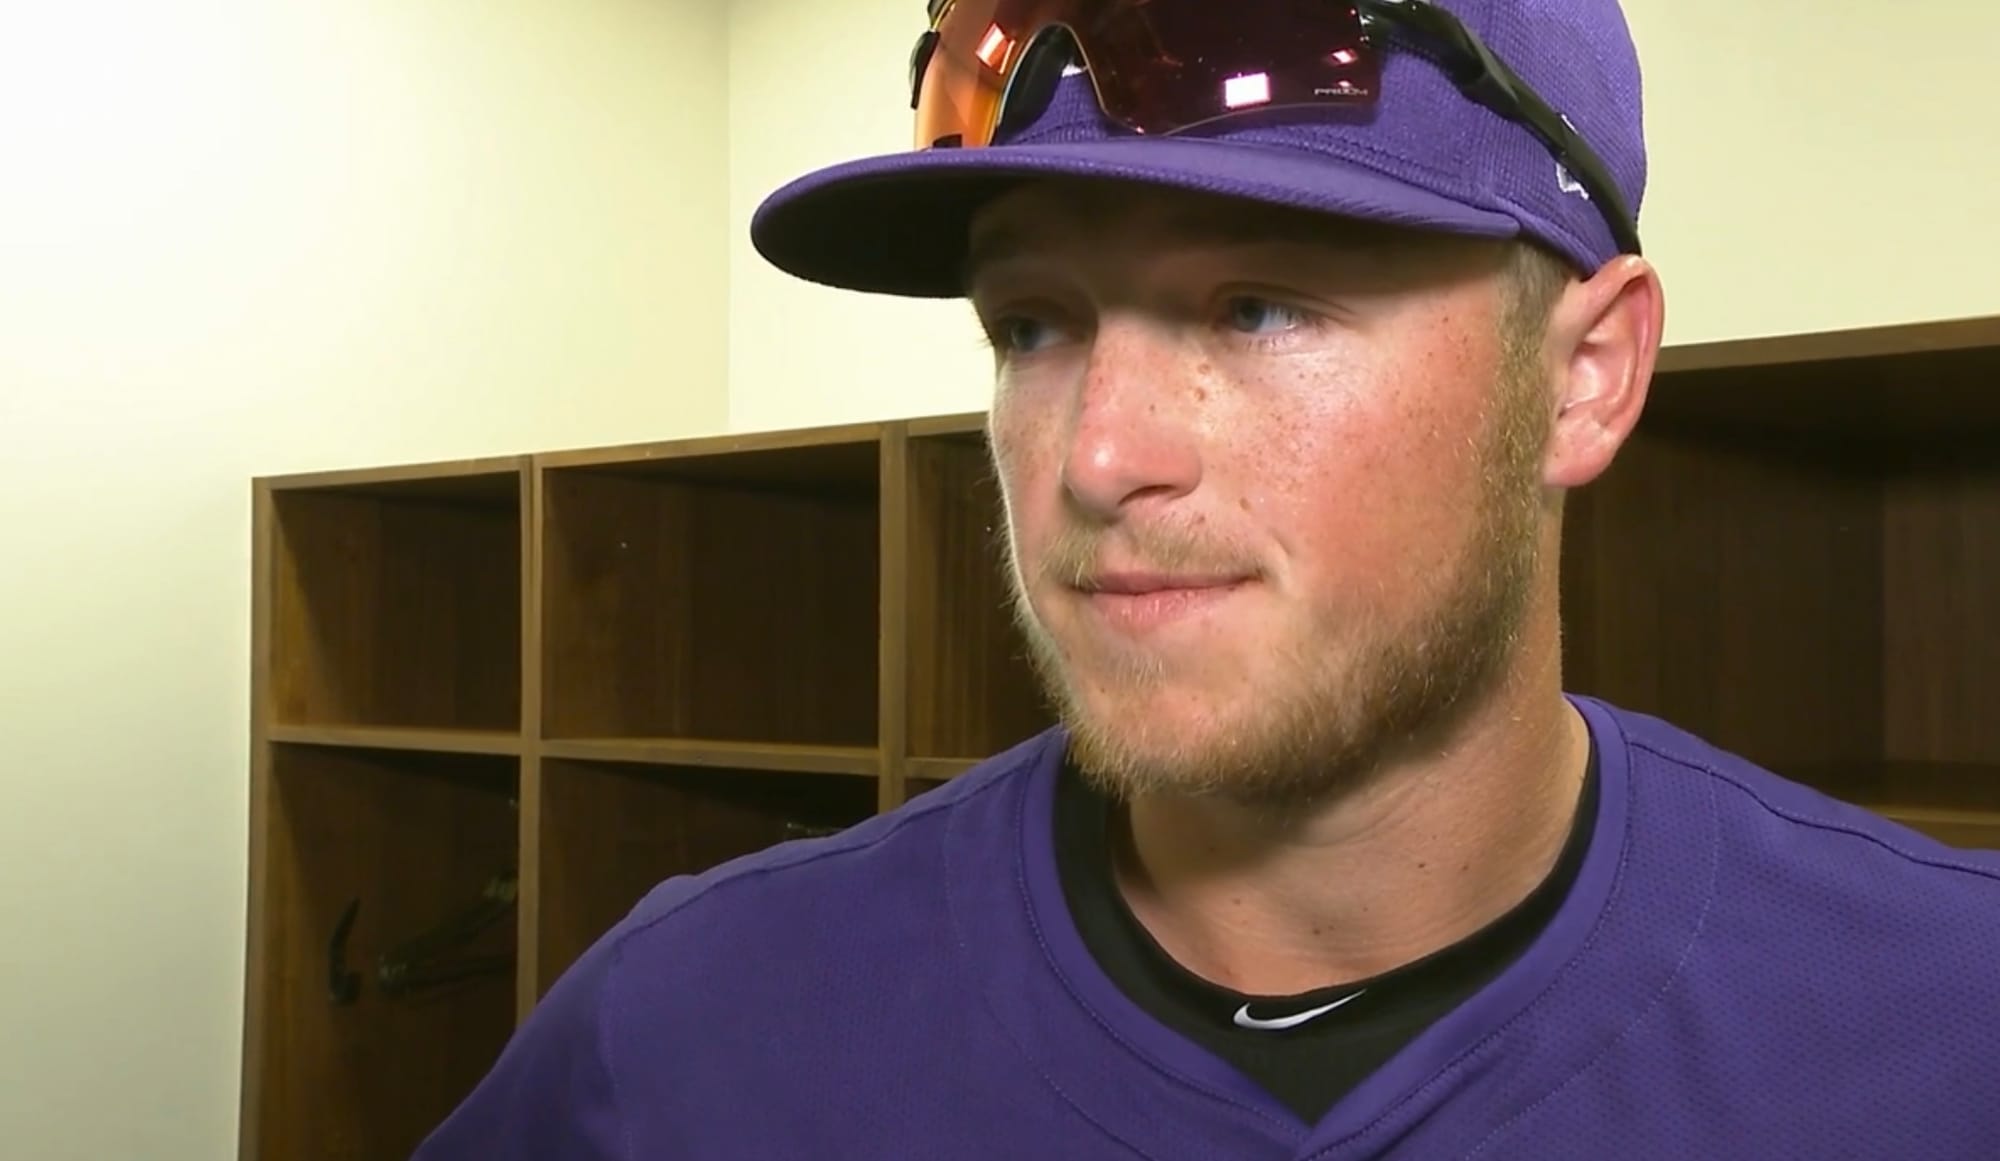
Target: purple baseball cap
(1426, 156)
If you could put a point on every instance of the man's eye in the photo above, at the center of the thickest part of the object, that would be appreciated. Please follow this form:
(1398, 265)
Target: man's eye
(1259, 315)
(1023, 335)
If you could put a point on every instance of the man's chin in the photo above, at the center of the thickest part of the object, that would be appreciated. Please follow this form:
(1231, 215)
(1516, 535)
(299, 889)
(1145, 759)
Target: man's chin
(1160, 746)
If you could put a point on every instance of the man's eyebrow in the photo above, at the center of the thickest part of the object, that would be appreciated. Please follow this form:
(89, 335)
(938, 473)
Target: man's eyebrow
(983, 249)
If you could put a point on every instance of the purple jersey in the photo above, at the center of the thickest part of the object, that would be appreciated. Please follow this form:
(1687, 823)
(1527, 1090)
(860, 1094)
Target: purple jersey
(1744, 968)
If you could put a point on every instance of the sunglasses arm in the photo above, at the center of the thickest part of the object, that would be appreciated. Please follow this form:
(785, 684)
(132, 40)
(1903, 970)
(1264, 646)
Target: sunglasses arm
(1420, 27)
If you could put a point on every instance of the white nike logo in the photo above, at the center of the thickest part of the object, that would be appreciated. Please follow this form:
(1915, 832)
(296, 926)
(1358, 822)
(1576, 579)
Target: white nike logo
(1245, 1020)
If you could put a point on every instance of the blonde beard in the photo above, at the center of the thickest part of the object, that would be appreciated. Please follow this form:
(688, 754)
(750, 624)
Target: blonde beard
(1350, 691)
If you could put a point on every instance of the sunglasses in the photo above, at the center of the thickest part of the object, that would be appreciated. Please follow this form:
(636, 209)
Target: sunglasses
(987, 68)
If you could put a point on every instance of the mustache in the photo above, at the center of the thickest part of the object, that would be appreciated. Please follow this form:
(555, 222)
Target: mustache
(1077, 553)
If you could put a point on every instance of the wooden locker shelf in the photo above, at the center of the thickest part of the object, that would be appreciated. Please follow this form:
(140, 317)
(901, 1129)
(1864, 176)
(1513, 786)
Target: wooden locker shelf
(748, 757)
(1960, 828)
(395, 738)
(938, 769)
(605, 667)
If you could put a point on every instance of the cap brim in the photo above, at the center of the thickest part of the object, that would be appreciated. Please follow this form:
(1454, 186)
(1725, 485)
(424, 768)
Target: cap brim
(897, 223)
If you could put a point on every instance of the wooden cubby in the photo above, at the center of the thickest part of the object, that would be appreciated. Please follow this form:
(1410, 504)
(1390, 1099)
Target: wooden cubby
(577, 672)
(1798, 557)
(363, 1065)
(396, 601)
(719, 591)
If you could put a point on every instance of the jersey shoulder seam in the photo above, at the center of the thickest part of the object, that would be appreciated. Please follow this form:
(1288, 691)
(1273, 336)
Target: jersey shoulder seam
(823, 850)
(627, 1148)
(1000, 769)
(1990, 874)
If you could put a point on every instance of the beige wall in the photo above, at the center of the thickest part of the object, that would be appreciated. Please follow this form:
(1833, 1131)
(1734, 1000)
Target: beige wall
(1816, 166)
(810, 84)
(241, 237)
(1821, 165)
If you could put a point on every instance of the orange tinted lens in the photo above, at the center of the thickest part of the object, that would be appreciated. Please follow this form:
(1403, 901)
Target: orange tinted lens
(979, 44)
(1158, 65)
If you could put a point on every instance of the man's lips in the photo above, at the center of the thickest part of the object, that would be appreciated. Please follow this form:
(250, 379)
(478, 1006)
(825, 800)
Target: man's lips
(1137, 602)
(1133, 584)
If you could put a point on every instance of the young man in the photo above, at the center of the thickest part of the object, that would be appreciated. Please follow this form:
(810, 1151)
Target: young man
(1305, 318)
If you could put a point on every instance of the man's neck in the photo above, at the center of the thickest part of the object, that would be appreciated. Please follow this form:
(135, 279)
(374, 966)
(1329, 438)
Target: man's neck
(1413, 861)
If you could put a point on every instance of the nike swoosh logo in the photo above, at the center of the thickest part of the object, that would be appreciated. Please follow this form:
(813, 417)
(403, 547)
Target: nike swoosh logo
(1245, 1020)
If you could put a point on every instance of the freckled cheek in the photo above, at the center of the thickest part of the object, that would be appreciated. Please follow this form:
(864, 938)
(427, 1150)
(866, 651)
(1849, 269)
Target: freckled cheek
(1356, 500)
(1027, 463)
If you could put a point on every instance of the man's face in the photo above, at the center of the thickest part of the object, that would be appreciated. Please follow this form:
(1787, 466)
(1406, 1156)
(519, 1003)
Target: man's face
(1273, 483)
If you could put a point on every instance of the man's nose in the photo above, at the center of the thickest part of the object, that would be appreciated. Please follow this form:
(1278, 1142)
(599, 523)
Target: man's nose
(1135, 431)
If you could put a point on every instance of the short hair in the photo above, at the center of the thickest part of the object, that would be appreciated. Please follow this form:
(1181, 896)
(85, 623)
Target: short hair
(1534, 279)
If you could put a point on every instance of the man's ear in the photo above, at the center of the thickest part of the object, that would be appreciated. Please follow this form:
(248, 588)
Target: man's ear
(1602, 343)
